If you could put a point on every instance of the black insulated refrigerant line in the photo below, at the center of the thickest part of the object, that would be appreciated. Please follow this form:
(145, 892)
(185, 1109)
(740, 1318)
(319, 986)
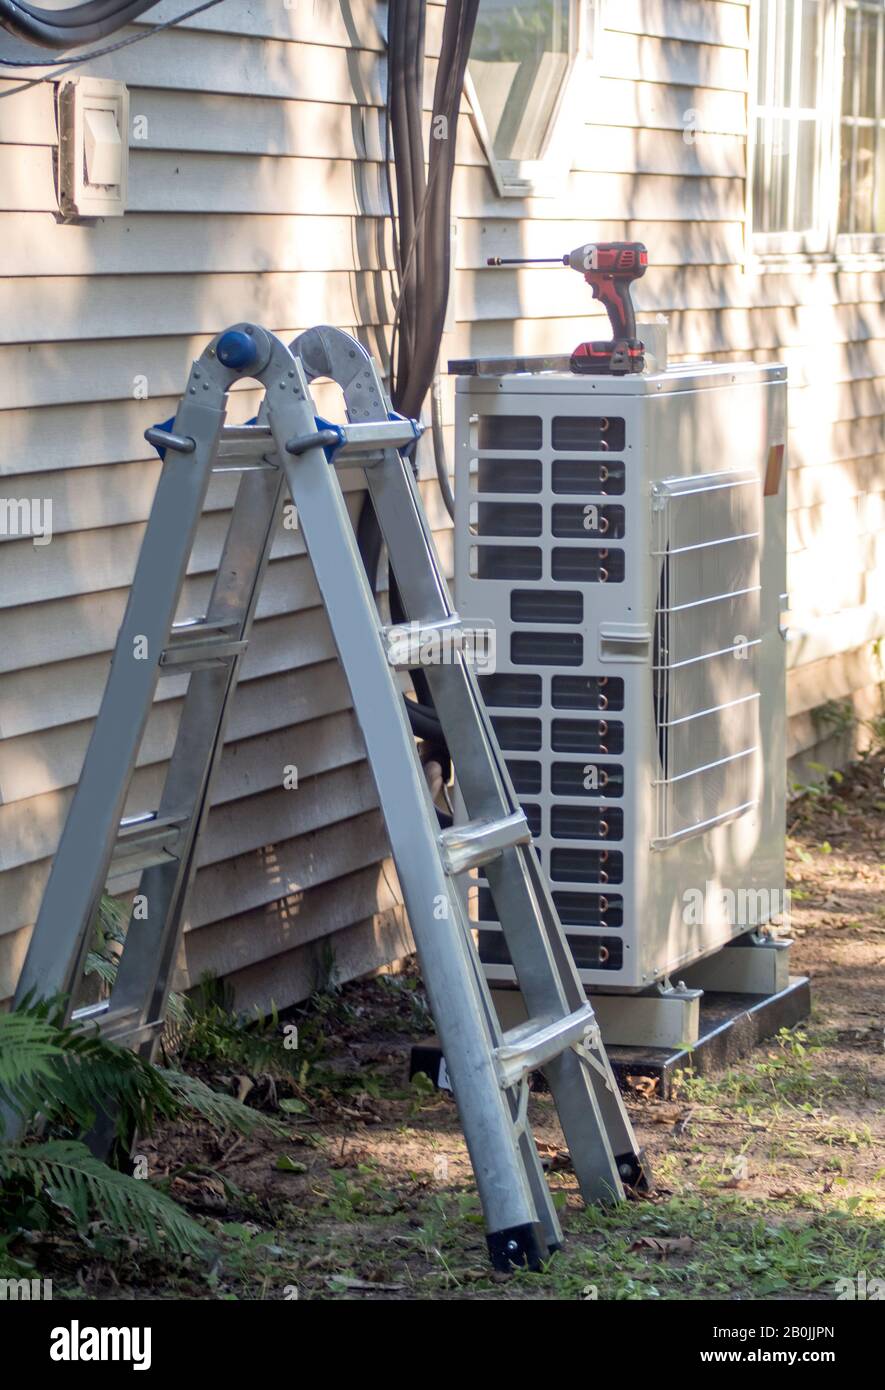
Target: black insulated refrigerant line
(422, 253)
(72, 26)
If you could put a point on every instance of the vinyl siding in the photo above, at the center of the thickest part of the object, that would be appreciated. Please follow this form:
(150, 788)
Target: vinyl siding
(259, 193)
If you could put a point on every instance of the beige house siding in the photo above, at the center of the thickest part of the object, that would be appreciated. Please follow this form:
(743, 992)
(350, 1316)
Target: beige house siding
(258, 193)
(662, 159)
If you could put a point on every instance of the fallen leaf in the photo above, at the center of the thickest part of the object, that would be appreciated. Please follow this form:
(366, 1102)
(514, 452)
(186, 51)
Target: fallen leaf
(553, 1159)
(643, 1085)
(321, 1261)
(663, 1114)
(664, 1246)
(350, 1157)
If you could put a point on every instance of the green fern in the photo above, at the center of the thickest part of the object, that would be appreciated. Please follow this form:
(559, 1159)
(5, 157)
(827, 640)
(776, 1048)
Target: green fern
(68, 1076)
(88, 1190)
(213, 1032)
(29, 1050)
(100, 965)
(220, 1109)
(59, 1078)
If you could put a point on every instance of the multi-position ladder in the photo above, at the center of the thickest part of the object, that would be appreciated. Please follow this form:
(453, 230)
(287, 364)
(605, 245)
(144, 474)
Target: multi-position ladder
(287, 448)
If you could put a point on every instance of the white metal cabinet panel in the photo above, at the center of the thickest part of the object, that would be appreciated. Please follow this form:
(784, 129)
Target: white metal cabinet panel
(559, 544)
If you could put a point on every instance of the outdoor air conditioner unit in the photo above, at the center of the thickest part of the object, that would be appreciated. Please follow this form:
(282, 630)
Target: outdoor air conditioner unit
(624, 537)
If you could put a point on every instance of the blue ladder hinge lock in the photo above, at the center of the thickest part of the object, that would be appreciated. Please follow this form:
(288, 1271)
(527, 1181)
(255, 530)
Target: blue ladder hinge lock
(236, 349)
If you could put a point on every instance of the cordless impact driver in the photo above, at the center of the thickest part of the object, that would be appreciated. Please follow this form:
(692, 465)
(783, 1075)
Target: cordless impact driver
(609, 267)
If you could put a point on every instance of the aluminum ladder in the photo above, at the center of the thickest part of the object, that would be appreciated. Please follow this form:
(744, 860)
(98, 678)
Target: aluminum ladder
(287, 450)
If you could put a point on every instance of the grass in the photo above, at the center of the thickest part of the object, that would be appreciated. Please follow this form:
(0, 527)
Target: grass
(768, 1183)
(685, 1247)
(738, 1248)
(785, 1074)
(361, 1229)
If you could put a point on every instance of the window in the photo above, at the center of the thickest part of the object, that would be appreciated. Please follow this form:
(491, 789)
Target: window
(819, 126)
(789, 134)
(862, 142)
(523, 62)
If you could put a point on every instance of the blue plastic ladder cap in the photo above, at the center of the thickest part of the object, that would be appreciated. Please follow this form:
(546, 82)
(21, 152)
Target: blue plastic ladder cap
(236, 349)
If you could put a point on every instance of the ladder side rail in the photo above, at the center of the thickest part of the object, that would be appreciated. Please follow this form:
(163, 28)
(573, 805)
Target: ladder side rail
(328, 352)
(150, 953)
(441, 934)
(528, 1149)
(617, 1121)
(483, 779)
(552, 984)
(589, 1102)
(55, 958)
(544, 967)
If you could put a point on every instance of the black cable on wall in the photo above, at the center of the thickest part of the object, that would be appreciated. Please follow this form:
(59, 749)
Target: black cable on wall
(422, 245)
(423, 211)
(70, 27)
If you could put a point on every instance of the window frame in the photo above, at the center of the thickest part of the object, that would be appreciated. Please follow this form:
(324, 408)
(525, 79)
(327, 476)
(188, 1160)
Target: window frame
(546, 176)
(824, 243)
(853, 244)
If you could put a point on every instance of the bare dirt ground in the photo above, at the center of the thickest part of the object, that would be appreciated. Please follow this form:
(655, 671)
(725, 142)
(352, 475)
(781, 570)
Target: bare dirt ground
(770, 1177)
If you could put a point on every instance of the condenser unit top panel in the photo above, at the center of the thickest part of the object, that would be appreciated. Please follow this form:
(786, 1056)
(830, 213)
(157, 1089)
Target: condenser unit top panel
(689, 376)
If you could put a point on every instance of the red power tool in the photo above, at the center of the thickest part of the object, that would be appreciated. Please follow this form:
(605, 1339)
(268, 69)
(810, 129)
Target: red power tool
(609, 267)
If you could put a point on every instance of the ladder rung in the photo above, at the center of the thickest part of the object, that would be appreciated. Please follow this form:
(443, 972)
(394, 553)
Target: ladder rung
(478, 842)
(373, 438)
(131, 1034)
(539, 1040)
(359, 444)
(242, 449)
(232, 466)
(198, 643)
(117, 1025)
(103, 1014)
(408, 644)
(187, 627)
(145, 841)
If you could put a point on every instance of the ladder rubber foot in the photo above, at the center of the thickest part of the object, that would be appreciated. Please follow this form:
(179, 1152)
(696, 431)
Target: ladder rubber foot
(518, 1247)
(634, 1170)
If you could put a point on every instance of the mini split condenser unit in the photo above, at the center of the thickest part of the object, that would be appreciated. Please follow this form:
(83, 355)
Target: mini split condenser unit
(625, 540)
